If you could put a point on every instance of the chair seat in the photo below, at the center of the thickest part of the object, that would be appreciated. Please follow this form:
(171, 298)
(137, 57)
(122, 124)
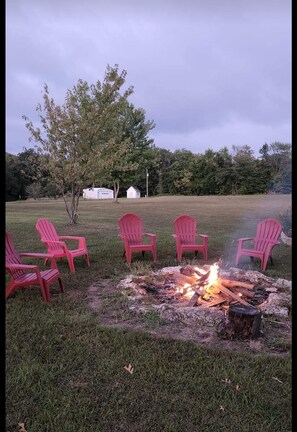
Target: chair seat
(26, 279)
(49, 276)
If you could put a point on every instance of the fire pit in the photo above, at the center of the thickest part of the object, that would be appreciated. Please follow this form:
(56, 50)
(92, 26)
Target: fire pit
(233, 300)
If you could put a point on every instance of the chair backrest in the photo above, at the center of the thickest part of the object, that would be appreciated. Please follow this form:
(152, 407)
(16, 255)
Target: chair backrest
(46, 230)
(268, 229)
(131, 225)
(11, 255)
(185, 226)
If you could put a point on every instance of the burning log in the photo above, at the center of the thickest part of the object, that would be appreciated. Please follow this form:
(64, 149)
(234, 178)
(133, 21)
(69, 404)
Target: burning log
(215, 302)
(190, 271)
(232, 284)
(245, 293)
(193, 301)
(236, 297)
(182, 279)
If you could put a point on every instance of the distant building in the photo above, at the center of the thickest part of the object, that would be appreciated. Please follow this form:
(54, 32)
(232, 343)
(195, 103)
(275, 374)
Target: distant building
(98, 193)
(133, 192)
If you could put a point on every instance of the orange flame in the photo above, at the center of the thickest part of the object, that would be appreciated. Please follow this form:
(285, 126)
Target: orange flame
(187, 291)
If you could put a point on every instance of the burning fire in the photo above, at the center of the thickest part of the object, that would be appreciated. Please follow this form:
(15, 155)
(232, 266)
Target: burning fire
(203, 280)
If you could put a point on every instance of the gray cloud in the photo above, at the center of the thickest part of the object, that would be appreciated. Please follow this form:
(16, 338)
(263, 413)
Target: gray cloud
(210, 74)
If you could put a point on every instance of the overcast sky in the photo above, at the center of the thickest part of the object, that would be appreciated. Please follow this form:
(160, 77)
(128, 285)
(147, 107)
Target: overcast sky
(209, 73)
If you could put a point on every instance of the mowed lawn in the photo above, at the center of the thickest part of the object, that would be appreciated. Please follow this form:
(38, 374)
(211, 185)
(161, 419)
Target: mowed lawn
(65, 371)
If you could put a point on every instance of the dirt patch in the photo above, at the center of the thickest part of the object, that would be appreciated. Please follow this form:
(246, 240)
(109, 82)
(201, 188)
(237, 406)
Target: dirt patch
(112, 306)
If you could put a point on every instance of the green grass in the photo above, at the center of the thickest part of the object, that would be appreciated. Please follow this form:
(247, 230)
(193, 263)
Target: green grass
(65, 370)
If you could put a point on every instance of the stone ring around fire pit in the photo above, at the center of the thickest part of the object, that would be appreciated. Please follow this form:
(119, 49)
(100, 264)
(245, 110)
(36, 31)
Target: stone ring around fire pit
(191, 295)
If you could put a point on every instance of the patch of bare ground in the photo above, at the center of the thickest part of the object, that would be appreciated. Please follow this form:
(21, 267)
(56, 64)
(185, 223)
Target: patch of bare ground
(112, 306)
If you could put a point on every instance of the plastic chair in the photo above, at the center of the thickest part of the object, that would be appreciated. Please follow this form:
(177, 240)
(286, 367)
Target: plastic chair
(134, 238)
(267, 234)
(22, 275)
(186, 236)
(57, 247)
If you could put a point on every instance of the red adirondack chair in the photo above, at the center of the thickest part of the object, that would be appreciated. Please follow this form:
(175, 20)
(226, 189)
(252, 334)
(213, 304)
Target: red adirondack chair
(57, 247)
(186, 236)
(260, 246)
(22, 275)
(134, 238)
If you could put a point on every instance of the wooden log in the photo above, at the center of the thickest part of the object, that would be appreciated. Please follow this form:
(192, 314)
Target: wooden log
(193, 300)
(245, 292)
(234, 296)
(243, 322)
(213, 302)
(182, 280)
(230, 284)
(189, 270)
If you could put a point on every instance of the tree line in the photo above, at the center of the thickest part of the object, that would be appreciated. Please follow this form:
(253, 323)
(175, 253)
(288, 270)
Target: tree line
(98, 138)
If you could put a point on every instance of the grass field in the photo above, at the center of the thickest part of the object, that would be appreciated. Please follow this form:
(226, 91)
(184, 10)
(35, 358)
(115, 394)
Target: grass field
(65, 370)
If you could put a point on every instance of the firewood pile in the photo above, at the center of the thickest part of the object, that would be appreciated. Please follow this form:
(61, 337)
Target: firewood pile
(220, 291)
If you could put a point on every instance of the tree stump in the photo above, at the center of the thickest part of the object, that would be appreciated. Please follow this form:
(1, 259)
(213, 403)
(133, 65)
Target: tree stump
(244, 322)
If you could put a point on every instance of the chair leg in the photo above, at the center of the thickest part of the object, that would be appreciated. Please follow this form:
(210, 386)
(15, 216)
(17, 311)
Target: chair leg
(88, 260)
(128, 254)
(45, 292)
(61, 285)
(179, 256)
(10, 288)
(71, 264)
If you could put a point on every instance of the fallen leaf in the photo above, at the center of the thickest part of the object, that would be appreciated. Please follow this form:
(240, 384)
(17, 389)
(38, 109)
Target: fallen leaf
(237, 387)
(276, 379)
(22, 427)
(129, 368)
(227, 381)
(222, 408)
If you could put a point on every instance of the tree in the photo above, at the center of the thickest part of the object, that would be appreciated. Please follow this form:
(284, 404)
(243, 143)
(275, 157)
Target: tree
(250, 175)
(130, 151)
(12, 177)
(278, 158)
(33, 190)
(78, 137)
(181, 172)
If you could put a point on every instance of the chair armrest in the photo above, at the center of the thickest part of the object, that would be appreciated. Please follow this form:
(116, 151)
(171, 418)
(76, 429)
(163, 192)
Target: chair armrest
(153, 237)
(21, 267)
(244, 239)
(81, 240)
(150, 235)
(36, 255)
(204, 237)
(177, 239)
(41, 255)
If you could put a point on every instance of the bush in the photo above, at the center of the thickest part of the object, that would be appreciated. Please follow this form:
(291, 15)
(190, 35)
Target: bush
(286, 221)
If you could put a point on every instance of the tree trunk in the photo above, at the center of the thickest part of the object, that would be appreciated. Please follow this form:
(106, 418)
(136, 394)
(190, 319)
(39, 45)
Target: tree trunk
(243, 322)
(72, 207)
(116, 188)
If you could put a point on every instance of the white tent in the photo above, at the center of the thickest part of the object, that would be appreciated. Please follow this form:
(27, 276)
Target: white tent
(133, 192)
(97, 193)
